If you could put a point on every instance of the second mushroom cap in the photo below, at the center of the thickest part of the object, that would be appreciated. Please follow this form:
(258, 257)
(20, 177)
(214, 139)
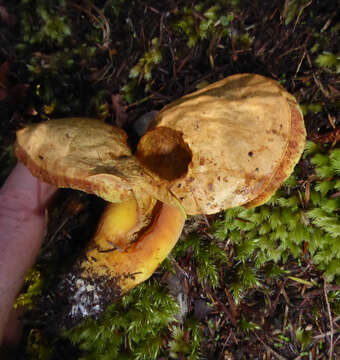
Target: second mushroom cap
(229, 144)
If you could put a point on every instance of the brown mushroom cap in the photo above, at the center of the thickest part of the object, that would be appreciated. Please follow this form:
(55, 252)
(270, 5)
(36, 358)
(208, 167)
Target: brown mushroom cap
(87, 154)
(229, 144)
(76, 153)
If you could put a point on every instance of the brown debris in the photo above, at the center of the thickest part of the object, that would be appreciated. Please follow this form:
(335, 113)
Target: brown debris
(331, 137)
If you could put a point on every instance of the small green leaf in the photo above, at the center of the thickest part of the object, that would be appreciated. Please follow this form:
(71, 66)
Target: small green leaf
(247, 326)
(335, 160)
(310, 148)
(320, 160)
(303, 337)
(328, 60)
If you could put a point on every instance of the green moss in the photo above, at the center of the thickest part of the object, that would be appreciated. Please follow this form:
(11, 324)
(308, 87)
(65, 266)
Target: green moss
(208, 256)
(36, 348)
(329, 60)
(244, 278)
(133, 328)
(208, 20)
(311, 108)
(303, 337)
(49, 25)
(34, 284)
(247, 326)
(293, 9)
(143, 70)
(278, 229)
(57, 58)
(147, 61)
(186, 341)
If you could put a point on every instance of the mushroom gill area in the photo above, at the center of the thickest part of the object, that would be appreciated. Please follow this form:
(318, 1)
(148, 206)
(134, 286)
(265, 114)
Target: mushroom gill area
(164, 152)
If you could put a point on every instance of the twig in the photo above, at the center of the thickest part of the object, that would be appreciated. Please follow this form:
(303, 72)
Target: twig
(63, 223)
(232, 305)
(223, 308)
(226, 342)
(105, 28)
(323, 335)
(300, 62)
(205, 218)
(289, 51)
(285, 319)
(300, 12)
(173, 260)
(267, 347)
(321, 87)
(285, 10)
(276, 300)
(330, 321)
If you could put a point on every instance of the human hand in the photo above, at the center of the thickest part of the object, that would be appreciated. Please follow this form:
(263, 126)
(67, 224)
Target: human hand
(23, 200)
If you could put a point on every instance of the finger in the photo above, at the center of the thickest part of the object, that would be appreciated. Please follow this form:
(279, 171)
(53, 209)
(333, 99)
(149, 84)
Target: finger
(23, 199)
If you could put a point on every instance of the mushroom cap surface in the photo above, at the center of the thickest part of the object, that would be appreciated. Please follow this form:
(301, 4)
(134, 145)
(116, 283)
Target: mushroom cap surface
(78, 153)
(228, 144)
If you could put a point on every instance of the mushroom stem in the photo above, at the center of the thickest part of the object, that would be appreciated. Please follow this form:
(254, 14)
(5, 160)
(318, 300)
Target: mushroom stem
(111, 254)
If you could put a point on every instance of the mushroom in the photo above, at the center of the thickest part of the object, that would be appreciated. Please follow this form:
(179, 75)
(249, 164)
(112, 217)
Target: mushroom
(229, 144)
(136, 232)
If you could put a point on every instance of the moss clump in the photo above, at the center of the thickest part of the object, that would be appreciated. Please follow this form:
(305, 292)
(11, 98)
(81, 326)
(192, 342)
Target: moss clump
(206, 21)
(147, 61)
(296, 219)
(36, 347)
(293, 9)
(51, 50)
(133, 328)
(34, 283)
(186, 341)
(329, 60)
(143, 69)
(49, 24)
(207, 255)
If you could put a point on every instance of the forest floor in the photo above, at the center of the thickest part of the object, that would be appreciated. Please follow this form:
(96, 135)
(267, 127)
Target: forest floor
(117, 60)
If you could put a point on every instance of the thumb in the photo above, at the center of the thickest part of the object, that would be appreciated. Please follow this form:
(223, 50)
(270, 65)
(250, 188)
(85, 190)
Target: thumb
(23, 200)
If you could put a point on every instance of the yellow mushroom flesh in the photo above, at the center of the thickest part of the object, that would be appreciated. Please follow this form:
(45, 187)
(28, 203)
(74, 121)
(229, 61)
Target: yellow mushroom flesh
(126, 251)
